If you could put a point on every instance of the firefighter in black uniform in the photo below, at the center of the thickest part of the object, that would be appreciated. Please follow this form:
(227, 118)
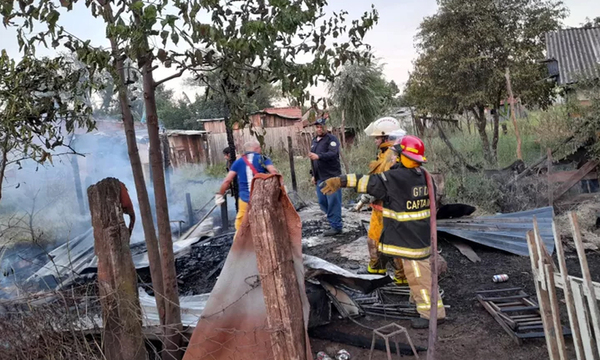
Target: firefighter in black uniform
(406, 228)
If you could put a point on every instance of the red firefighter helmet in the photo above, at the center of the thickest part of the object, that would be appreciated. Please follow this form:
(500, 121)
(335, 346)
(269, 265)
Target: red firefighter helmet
(412, 147)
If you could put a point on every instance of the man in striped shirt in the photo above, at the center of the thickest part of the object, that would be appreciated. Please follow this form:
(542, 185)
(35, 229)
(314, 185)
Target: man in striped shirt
(250, 163)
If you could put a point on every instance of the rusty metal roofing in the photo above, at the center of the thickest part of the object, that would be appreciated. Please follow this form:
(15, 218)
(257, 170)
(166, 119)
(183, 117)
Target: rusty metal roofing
(577, 52)
(504, 231)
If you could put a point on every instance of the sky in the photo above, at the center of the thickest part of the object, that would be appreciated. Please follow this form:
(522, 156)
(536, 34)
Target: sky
(392, 39)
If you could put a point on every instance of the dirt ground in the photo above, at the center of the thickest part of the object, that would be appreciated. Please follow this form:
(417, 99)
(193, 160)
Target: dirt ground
(469, 331)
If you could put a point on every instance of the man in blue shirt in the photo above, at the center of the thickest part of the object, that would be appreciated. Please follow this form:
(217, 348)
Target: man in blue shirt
(248, 165)
(325, 160)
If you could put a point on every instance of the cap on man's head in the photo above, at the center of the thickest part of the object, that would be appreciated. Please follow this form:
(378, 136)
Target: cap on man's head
(321, 121)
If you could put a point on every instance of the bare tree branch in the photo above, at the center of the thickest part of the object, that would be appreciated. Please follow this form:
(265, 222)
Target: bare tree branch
(176, 75)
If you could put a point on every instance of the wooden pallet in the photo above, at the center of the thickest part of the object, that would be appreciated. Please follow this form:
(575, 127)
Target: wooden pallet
(515, 310)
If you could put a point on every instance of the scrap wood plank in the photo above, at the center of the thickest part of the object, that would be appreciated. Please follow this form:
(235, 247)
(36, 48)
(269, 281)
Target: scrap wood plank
(466, 250)
(584, 330)
(575, 178)
(562, 351)
(548, 270)
(543, 299)
(564, 176)
(588, 285)
(562, 276)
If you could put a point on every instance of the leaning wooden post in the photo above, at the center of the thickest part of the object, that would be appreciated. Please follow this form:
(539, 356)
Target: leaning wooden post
(434, 271)
(538, 272)
(588, 286)
(568, 291)
(117, 279)
(276, 268)
(292, 168)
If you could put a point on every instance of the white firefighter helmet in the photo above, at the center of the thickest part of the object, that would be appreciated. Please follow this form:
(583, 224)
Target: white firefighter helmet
(382, 127)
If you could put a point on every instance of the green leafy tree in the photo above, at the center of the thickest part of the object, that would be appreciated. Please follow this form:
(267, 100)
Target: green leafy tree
(41, 102)
(465, 49)
(247, 43)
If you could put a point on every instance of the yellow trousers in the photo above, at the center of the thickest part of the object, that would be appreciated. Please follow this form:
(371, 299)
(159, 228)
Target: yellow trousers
(242, 208)
(377, 263)
(418, 274)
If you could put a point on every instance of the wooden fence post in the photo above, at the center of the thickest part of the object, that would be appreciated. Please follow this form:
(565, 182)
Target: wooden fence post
(190, 211)
(117, 279)
(292, 168)
(276, 268)
(224, 215)
(550, 183)
(78, 189)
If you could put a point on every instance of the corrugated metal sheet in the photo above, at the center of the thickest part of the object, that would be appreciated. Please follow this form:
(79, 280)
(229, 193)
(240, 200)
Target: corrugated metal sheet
(577, 52)
(505, 231)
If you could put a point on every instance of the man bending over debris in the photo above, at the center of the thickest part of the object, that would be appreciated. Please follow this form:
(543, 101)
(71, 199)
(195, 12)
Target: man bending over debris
(248, 165)
(406, 227)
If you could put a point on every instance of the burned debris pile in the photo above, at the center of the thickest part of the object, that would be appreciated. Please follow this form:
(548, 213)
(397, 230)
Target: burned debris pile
(199, 268)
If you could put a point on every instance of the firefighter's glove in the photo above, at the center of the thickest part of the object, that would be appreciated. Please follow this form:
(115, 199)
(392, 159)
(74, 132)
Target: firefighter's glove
(330, 186)
(219, 199)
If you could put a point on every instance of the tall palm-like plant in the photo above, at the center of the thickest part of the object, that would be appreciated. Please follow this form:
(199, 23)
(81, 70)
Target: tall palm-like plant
(361, 94)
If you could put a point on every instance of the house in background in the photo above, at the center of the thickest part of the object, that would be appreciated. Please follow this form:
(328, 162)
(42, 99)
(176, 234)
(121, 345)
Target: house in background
(275, 125)
(573, 55)
(188, 147)
(266, 118)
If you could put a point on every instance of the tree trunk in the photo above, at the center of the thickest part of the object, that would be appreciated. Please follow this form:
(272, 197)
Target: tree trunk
(468, 122)
(513, 114)
(278, 278)
(343, 132)
(173, 327)
(481, 127)
(138, 174)
(458, 155)
(495, 136)
(4, 161)
(117, 279)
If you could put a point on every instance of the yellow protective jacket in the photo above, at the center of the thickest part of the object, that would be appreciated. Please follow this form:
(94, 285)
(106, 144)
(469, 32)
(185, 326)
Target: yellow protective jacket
(386, 158)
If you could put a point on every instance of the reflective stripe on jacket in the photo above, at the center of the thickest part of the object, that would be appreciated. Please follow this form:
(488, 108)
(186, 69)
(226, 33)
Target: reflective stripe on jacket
(406, 232)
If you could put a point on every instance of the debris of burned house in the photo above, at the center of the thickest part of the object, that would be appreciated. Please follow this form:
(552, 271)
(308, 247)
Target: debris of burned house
(516, 311)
